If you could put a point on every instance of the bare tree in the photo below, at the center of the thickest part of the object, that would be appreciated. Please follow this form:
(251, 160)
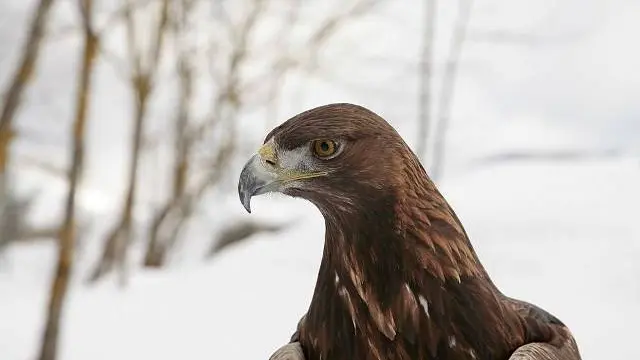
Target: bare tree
(12, 223)
(283, 64)
(184, 139)
(425, 78)
(142, 83)
(66, 239)
(238, 231)
(174, 213)
(235, 93)
(447, 90)
(13, 95)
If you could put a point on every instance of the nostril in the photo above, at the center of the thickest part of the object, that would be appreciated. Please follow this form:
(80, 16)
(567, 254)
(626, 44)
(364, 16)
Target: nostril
(270, 162)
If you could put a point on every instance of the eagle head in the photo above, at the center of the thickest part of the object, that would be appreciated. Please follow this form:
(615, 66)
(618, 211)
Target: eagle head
(337, 156)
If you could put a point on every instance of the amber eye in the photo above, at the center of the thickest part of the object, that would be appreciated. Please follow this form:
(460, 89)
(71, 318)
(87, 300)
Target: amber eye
(324, 148)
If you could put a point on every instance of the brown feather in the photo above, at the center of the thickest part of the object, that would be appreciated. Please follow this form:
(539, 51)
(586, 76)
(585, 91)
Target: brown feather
(399, 278)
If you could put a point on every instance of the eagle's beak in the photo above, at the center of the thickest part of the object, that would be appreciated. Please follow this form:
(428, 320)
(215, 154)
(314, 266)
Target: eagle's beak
(263, 173)
(260, 175)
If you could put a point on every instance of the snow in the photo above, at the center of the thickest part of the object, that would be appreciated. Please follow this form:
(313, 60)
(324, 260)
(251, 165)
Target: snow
(561, 235)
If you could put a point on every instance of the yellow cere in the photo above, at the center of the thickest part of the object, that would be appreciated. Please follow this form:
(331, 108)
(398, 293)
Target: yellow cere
(268, 153)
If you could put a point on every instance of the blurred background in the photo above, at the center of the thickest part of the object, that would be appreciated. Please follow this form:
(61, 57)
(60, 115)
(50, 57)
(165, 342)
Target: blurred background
(124, 125)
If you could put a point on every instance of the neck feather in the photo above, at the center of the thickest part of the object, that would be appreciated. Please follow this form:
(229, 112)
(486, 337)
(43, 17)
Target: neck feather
(400, 267)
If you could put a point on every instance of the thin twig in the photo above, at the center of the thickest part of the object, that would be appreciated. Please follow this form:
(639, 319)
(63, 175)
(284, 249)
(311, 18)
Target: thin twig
(425, 78)
(21, 77)
(142, 82)
(448, 88)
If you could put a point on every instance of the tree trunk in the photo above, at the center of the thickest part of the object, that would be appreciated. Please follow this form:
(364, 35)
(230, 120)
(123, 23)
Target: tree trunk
(117, 244)
(24, 72)
(448, 89)
(154, 255)
(426, 75)
(114, 251)
(13, 95)
(66, 244)
(157, 244)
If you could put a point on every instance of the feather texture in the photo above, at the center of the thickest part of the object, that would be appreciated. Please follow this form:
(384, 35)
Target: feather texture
(399, 278)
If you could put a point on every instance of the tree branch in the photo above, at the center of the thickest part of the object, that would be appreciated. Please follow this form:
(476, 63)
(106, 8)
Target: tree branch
(66, 240)
(426, 74)
(448, 88)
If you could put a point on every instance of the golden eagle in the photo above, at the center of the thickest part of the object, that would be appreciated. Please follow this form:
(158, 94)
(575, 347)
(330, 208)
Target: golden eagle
(399, 279)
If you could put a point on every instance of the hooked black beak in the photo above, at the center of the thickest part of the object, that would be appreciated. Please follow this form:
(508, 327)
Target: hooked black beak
(255, 179)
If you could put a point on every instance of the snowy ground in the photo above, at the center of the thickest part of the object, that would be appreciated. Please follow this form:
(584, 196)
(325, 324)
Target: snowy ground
(563, 235)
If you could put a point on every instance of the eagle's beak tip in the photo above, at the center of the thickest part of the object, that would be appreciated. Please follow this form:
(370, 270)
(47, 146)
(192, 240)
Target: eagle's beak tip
(251, 182)
(247, 205)
(245, 197)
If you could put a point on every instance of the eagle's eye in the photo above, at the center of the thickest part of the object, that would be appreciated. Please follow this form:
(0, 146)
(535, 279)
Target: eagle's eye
(324, 149)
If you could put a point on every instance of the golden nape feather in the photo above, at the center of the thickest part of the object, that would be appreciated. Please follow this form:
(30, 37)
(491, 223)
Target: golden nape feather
(399, 278)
